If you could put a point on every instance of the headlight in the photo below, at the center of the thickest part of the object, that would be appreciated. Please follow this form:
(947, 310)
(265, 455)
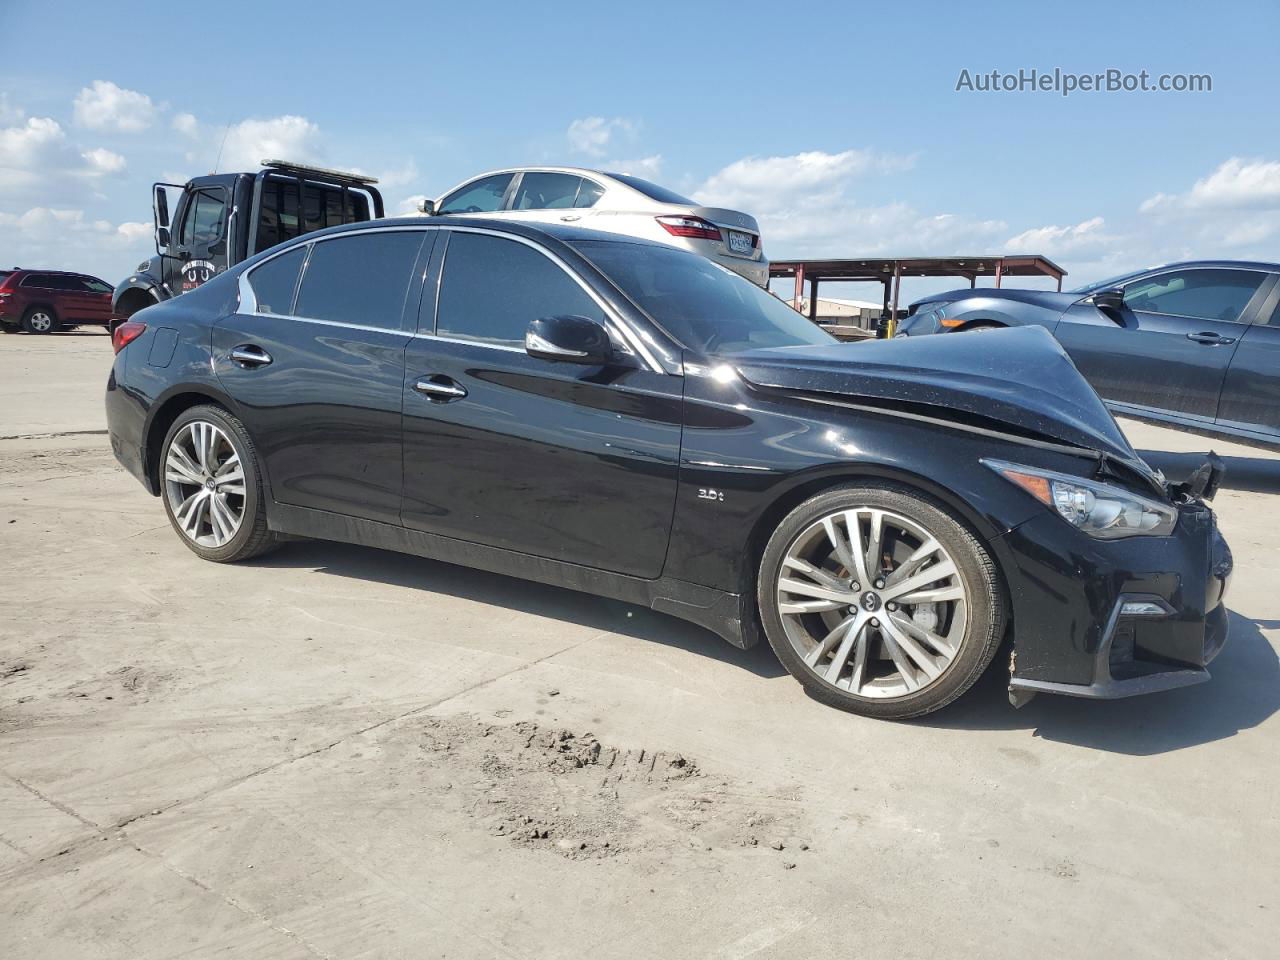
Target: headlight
(1099, 509)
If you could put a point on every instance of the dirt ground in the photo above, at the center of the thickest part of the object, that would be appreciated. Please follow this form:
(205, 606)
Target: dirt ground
(336, 752)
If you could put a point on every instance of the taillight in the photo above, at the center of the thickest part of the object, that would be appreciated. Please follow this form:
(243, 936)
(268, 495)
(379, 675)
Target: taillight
(126, 333)
(690, 227)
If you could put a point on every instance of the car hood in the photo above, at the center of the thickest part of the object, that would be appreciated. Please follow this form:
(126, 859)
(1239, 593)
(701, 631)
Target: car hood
(1019, 379)
(1049, 299)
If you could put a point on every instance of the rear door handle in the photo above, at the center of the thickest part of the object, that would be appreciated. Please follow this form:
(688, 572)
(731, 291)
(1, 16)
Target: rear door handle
(248, 355)
(1211, 339)
(570, 217)
(440, 388)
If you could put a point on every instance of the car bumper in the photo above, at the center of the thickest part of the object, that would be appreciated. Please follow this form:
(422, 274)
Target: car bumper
(1135, 616)
(126, 423)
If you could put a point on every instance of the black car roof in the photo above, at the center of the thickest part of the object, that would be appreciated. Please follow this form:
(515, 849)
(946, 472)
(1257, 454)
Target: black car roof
(1179, 264)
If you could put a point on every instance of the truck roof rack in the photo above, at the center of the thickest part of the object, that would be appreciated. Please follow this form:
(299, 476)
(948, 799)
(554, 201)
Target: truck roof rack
(284, 166)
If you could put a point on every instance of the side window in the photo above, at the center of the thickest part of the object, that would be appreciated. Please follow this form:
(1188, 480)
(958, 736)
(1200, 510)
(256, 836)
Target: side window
(273, 283)
(202, 223)
(492, 288)
(588, 193)
(1200, 294)
(360, 279)
(278, 213)
(546, 191)
(41, 280)
(482, 196)
(95, 285)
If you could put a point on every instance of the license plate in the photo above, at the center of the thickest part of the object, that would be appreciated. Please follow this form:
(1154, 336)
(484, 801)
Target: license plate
(740, 242)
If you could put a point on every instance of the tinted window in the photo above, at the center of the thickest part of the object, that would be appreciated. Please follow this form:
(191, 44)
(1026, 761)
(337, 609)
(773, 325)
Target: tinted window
(274, 282)
(203, 222)
(546, 191)
(588, 193)
(278, 210)
(493, 288)
(42, 280)
(360, 279)
(95, 285)
(1201, 294)
(482, 196)
(651, 190)
(704, 306)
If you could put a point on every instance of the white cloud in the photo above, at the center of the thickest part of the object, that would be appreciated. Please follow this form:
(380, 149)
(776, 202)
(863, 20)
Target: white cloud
(250, 142)
(186, 124)
(64, 238)
(410, 206)
(647, 167)
(22, 147)
(1087, 240)
(775, 184)
(593, 136)
(105, 106)
(406, 173)
(1236, 183)
(101, 160)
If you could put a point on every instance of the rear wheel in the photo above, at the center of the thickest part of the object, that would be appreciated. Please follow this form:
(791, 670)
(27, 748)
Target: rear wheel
(880, 601)
(212, 486)
(40, 320)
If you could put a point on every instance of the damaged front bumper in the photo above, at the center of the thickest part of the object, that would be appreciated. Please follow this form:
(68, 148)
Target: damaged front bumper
(1137, 616)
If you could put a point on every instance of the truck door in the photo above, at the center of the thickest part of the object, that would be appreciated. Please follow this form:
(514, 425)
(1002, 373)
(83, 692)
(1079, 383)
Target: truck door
(201, 248)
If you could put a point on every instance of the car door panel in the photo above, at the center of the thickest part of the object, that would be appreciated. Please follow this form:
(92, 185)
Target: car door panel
(1154, 360)
(558, 460)
(1251, 390)
(325, 408)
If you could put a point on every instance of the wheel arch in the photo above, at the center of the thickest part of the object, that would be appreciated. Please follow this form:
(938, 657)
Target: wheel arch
(987, 534)
(129, 301)
(161, 417)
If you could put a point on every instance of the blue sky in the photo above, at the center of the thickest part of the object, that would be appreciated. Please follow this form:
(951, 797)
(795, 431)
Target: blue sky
(837, 124)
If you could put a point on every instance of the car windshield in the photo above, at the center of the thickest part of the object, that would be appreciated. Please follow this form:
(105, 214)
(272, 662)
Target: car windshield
(652, 190)
(1109, 282)
(702, 305)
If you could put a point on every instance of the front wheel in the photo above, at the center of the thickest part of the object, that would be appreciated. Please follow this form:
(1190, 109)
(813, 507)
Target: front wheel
(212, 486)
(880, 601)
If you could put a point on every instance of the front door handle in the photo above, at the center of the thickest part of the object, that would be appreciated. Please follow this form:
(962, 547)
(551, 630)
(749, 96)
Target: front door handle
(248, 355)
(1211, 339)
(440, 388)
(570, 217)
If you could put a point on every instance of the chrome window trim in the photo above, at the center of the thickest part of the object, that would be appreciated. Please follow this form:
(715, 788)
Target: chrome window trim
(617, 325)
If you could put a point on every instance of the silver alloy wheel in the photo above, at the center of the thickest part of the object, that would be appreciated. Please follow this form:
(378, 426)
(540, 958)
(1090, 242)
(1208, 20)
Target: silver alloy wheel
(872, 603)
(41, 322)
(205, 484)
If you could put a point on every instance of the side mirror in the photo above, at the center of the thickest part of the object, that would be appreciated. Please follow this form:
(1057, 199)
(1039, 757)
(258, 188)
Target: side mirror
(569, 340)
(1110, 301)
(428, 208)
(162, 207)
(162, 239)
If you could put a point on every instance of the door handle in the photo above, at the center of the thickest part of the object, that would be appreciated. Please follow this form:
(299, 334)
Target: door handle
(248, 355)
(570, 217)
(442, 389)
(1211, 339)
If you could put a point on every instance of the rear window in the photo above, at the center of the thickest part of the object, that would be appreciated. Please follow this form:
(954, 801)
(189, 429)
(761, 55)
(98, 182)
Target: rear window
(278, 216)
(651, 190)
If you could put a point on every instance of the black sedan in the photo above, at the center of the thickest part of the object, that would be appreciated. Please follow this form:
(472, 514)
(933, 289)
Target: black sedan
(1195, 345)
(631, 420)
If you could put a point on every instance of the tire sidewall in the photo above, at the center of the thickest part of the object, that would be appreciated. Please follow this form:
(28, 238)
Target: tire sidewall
(984, 613)
(254, 503)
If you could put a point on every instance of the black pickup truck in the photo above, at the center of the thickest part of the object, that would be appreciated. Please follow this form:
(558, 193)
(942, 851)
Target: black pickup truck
(224, 218)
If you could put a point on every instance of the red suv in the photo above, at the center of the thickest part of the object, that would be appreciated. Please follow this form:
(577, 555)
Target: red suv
(42, 301)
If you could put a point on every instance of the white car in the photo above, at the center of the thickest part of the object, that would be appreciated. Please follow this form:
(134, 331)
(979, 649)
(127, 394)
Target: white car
(617, 203)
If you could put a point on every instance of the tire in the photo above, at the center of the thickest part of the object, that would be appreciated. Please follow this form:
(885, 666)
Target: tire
(40, 320)
(201, 490)
(866, 647)
(10, 328)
